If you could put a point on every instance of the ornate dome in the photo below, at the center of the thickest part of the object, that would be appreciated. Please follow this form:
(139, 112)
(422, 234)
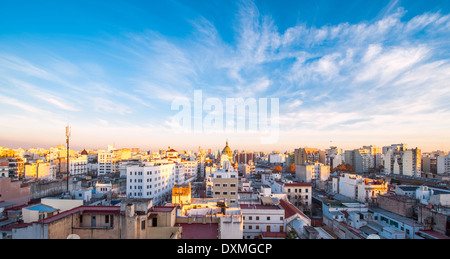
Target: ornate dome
(227, 151)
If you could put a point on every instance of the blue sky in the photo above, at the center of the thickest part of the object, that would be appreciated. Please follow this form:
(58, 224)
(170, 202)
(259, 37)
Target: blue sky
(347, 73)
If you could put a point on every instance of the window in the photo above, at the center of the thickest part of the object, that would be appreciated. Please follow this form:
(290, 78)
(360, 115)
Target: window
(107, 219)
(143, 225)
(268, 218)
(257, 217)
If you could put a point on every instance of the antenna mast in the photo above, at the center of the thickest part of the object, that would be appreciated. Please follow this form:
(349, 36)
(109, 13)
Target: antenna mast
(68, 134)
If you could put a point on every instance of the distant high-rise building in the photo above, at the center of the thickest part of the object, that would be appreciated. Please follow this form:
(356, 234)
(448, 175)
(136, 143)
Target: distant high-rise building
(364, 159)
(401, 161)
(245, 157)
(306, 155)
(443, 164)
(313, 171)
(105, 163)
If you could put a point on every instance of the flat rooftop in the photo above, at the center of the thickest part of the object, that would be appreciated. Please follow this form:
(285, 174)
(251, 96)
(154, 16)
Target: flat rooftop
(199, 230)
(259, 207)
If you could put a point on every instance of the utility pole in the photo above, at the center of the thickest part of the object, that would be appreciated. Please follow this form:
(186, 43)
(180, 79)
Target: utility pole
(68, 133)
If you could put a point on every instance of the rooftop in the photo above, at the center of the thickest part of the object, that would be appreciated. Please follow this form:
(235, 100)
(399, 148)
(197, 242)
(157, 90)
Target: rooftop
(290, 210)
(396, 217)
(199, 231)
(163, 208)
(274, 234)
(42, 208)
(85, 210)
(259, 207)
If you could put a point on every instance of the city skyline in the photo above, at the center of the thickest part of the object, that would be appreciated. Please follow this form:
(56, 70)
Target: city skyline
(346, 75)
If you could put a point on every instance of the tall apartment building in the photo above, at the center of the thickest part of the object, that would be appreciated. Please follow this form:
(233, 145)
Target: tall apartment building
(190, 169)
(78, 165)
(312, 171)
(223, 184)
(308, 155)
(401, 161)
(150, 181)
(334, 157)
(443, 164)
(180, 173)
(364, 159)
(104, 163)
(245, 157)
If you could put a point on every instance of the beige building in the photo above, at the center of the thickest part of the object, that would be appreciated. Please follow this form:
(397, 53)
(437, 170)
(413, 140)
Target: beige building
(223, 184)
(181, 194)
(39, 170)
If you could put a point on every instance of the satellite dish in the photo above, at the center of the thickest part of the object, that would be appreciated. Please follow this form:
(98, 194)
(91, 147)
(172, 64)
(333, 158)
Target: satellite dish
(73, 236)
(373, 236)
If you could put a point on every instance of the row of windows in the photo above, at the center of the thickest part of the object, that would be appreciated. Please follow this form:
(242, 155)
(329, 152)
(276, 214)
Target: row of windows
(250, 227)
(224, 193)
(150, 180)
(257, 218)
(164, 170)
(218, 176)
(297, 197)
(148, 186)
(139, 194)
(295, 190)
(225, 185)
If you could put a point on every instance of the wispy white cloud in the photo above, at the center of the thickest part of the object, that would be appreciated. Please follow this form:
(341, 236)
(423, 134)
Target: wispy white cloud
(369, 76)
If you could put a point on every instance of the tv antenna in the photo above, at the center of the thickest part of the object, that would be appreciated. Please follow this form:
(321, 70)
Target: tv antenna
(68, 134)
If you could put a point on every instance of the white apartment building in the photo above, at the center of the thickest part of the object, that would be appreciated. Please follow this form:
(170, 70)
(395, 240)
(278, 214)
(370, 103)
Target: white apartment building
(401, 161)
(180, 173)
(150, 181)
(78, 165)
(277, 158)
(190, 169)
(103, 187)
(443, 164)
(364, 161)
(105, 163)
(312, 171)
(358, 188)
(262, 218)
